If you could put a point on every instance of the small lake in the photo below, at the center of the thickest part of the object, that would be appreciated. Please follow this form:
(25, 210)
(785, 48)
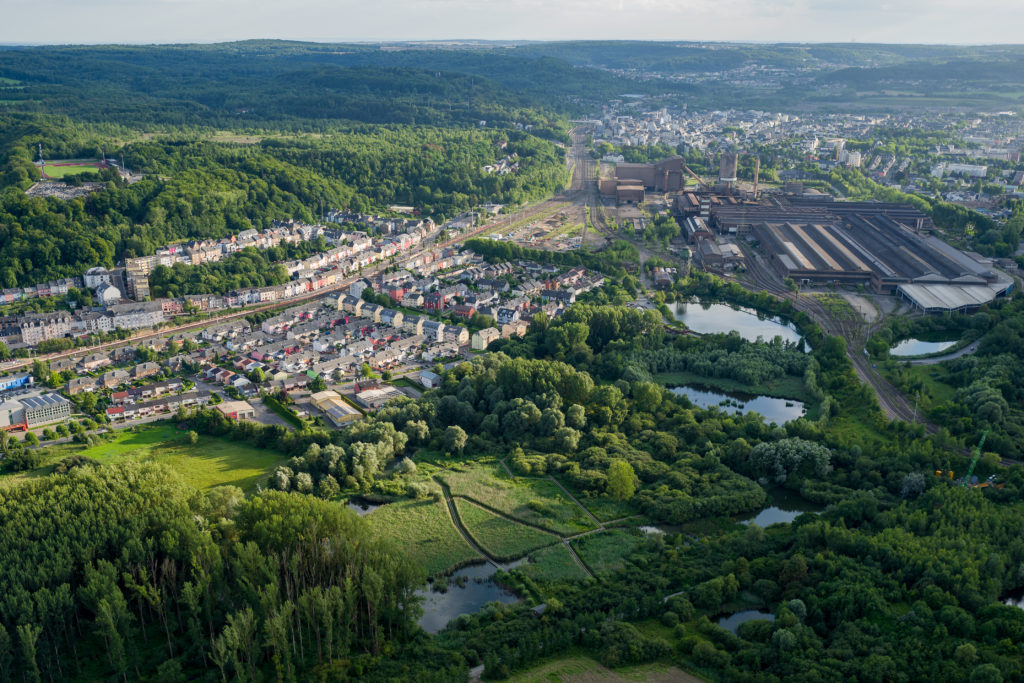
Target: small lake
(777, 410)
(916, 347)
(362, 507)
(785, 507)
(733, 621)
(477, 590)
(722, 318)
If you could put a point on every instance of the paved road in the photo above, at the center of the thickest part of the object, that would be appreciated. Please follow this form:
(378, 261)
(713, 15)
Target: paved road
(934, 360)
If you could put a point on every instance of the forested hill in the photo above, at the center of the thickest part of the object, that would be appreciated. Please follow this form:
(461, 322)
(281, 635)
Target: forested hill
(197, 187)
(255, 82)
(304, 86)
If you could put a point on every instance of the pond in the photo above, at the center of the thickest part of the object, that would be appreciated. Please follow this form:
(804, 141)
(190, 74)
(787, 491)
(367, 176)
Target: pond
(722, 318)
(733, 621)
(785, 507)
(777, 410)
(917, 347)
(469, 590)
(362, 507)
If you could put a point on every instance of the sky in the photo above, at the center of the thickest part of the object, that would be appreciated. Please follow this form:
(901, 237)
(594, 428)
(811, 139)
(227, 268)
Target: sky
(176, 21)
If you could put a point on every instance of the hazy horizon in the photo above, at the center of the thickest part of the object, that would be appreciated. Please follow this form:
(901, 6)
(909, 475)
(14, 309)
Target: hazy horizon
(924, 22)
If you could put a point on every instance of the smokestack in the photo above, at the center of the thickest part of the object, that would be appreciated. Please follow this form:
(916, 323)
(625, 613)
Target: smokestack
(727, 168)
(757, 171)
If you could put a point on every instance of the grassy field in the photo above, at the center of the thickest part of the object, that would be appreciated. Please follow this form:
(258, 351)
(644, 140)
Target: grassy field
(406, 382)
(425, 532)
(209, 462)
(579, 668)
(932, 377)
(553, 563)
(606, 551)
(53, 171)
(536, 501)
(784, 387)
(501, 537)
(602, 507)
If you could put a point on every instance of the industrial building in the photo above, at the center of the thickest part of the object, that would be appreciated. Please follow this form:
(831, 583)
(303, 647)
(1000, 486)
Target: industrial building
(31, 411)
(877, 251)
(664, 176)
(335, 408)
(237, 410)
(16, 382)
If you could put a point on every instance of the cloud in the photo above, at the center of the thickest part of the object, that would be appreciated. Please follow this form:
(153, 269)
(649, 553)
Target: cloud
(146, 21)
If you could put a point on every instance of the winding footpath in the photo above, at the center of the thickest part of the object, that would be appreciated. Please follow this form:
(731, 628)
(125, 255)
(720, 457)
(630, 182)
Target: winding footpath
(457, 521)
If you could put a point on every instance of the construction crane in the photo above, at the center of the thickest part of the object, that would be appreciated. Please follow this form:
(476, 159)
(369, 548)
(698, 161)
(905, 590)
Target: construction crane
(977, 454)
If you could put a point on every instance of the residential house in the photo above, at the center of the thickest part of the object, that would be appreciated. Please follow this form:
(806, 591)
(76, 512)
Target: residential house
(371, 312)
(391, 317)
(80, 384)
(413, 300)
(459, 335)
(114, 378)
(430, 380)
(516, 329)
(356, 288)
(143, 370)
(482, 339)
(94, 361)
(413, 323)
(435, 301)
(448, 349)
(433, 330)
(507, 315)
(465, 311)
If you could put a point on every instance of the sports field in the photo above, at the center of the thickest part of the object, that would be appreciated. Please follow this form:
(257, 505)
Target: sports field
(59, 169)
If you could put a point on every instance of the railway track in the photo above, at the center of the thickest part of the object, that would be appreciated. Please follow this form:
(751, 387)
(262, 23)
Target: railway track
(892, 402)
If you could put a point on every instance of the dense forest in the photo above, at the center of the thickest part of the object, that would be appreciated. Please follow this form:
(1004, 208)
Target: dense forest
(123, 571)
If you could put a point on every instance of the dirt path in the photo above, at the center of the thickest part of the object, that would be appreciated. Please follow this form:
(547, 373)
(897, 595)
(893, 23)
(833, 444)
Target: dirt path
(454, 514)
(564, 539)
(568, 546)
(600, 526)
